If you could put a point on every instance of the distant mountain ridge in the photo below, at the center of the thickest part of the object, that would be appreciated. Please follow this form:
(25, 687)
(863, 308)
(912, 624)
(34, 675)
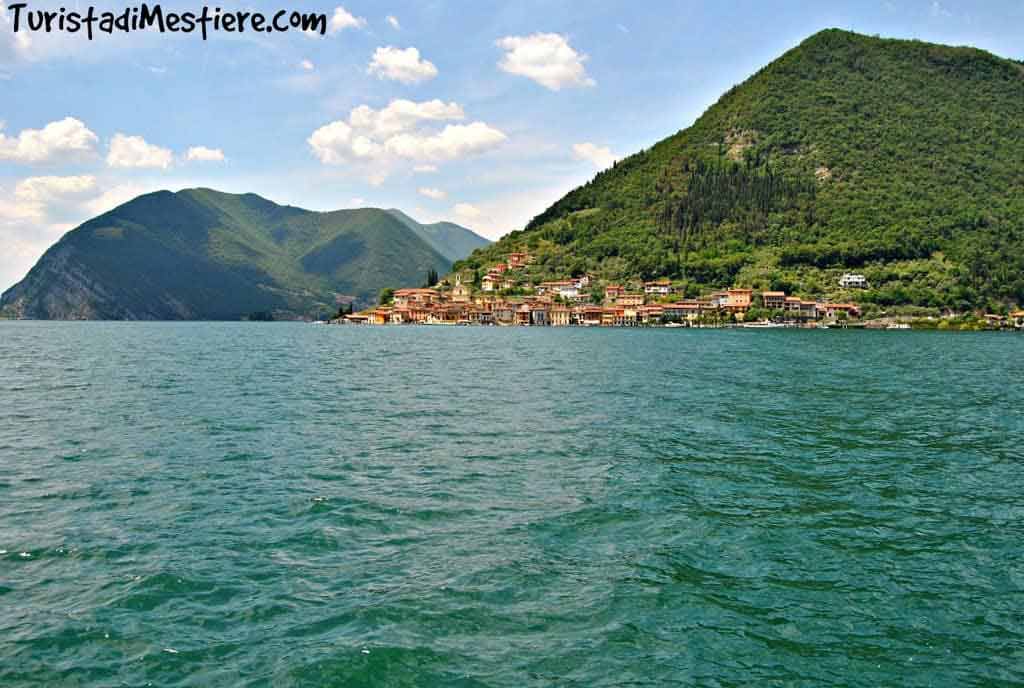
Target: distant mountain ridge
(449, 239)
(898, 159)
(207, 255)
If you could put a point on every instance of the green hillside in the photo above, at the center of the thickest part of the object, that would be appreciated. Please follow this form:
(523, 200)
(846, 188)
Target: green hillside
(900, 159)
(449, 239)
(202, 254)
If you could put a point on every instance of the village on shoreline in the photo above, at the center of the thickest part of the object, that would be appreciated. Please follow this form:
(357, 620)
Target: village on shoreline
(505, 296)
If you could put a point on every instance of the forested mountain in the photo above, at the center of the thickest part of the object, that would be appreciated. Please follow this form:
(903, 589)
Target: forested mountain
(202, 254)
(900, 159)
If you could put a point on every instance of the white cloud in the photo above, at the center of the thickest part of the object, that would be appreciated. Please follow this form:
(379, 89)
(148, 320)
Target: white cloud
(41, 210)
(466, 212)
(436, 194)
(939, 11)
(342, 20)
(357, 202)
(402, 115)
(398, 131)
(12, 45)
(392, 21)
(66, 139)
(472, 216)
(204, 154)
(21, 252)
(133, 151)
(50, 189)
(425, 169)
(307, 65)
(547, 58)
(600, 157)
(336, 142)
(405, 66)
(454, 141)
(12, 211)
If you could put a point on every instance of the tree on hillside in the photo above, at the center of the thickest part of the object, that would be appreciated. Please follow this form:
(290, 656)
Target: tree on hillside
(432, 278)
(387, 295)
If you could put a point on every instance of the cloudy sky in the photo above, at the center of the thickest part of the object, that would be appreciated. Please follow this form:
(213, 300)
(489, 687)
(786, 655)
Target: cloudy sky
(481, 113)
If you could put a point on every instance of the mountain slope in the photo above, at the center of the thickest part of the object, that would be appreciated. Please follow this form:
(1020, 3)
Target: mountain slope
(449, 239)
(901, 159)
(202, 254)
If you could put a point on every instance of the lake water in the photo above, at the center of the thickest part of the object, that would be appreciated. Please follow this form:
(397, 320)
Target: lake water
(291, 505)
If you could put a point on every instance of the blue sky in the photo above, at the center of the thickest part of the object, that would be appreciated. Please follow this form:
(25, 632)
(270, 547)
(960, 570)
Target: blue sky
(498, 111)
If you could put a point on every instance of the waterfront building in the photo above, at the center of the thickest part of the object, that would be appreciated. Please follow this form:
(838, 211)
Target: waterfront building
(719, 299)
(523, 314)
(738, 300)
(560, 316)
(589, 315)
(504, 313)
(378, 316)
(774, 300)
(832, 310)
(539, 314)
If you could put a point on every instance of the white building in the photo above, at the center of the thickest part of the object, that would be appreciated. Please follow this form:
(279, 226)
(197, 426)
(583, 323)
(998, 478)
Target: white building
(566, 289)
(658, 288)
(853, 281)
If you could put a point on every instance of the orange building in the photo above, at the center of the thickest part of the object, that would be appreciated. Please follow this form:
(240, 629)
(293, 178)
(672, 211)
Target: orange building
(738, 300)
(407, 297)
(518, 260)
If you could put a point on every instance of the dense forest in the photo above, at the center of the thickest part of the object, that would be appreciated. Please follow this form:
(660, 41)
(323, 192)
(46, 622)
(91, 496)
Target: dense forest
(900, 159)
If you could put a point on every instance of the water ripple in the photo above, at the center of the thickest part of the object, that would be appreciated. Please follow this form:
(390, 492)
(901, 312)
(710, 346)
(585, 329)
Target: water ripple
(237, 504)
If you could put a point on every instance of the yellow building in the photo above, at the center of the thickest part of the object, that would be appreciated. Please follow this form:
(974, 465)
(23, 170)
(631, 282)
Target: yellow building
(558, 316)
(630, 300)
(461, 293)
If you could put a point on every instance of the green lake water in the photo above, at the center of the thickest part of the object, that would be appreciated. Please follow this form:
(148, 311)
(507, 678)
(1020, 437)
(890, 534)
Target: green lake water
(290, 505)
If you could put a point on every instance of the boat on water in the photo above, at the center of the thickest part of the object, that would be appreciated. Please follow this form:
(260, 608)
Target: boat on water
(763, 325)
